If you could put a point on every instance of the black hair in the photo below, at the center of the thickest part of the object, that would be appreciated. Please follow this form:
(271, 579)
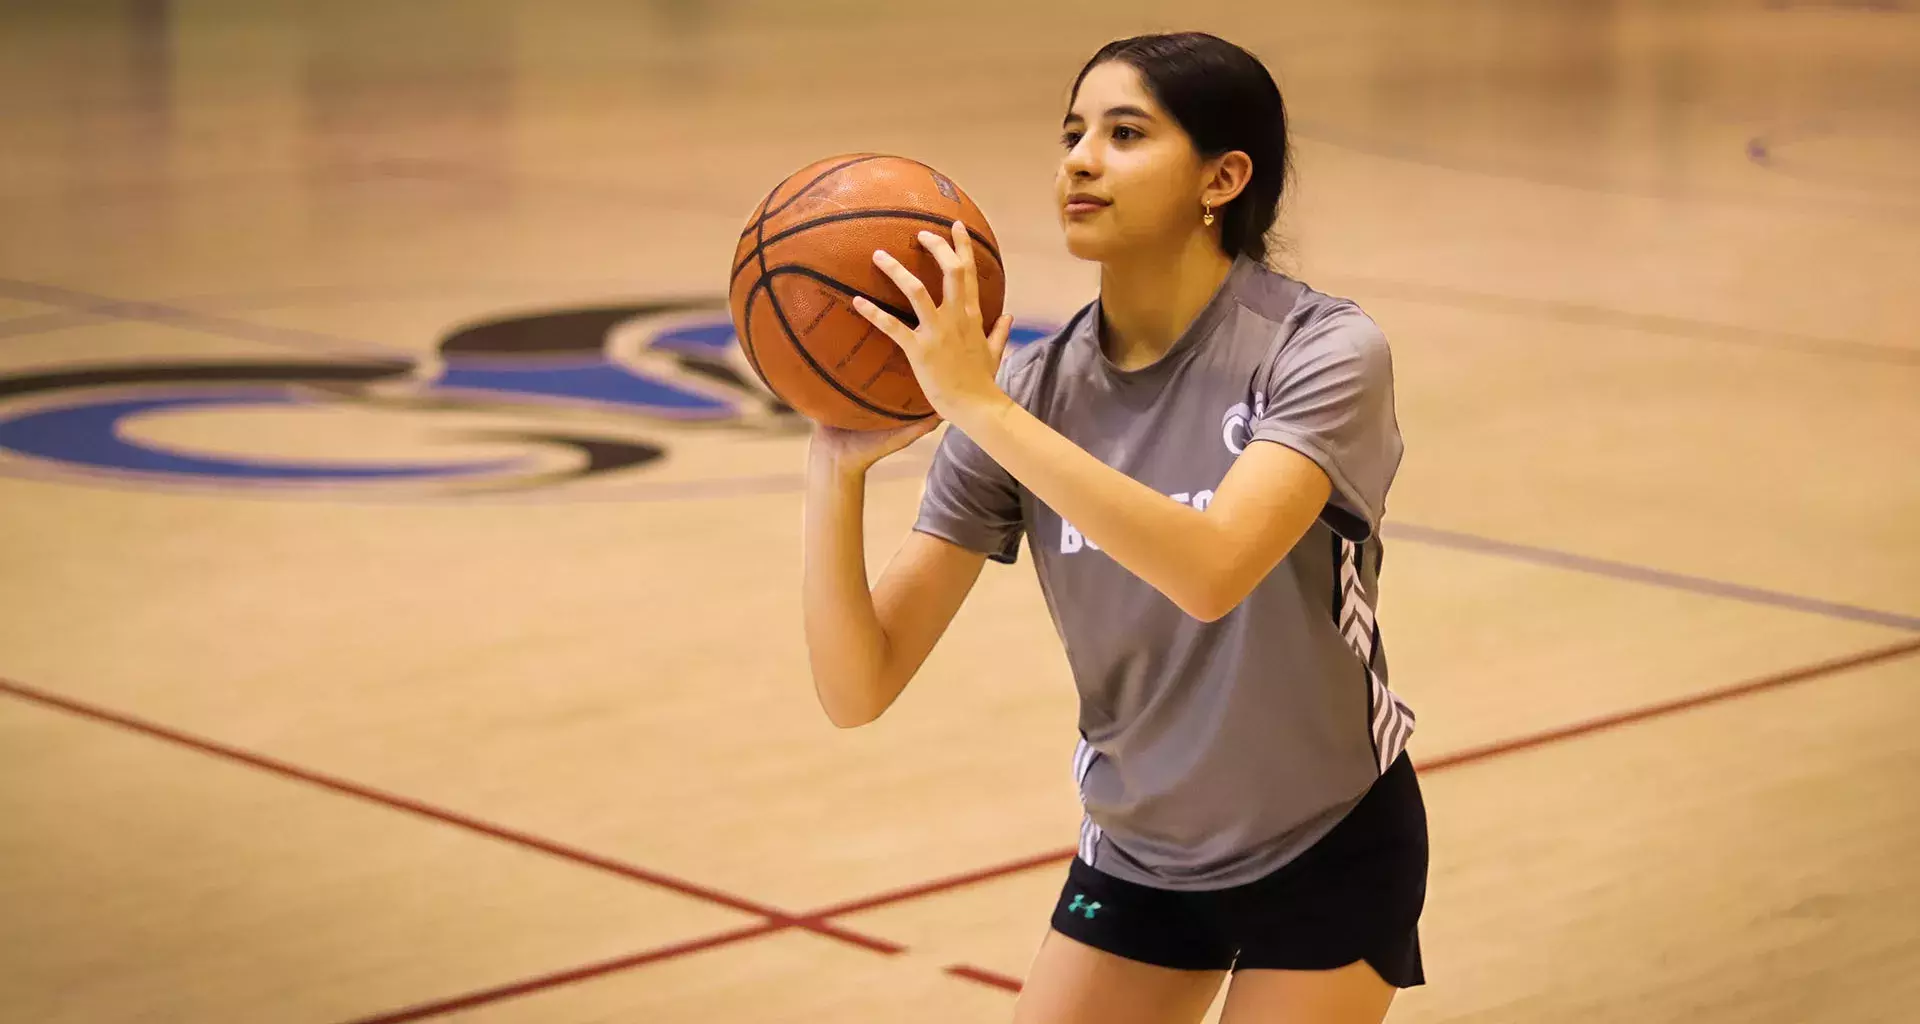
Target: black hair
(1224, 99)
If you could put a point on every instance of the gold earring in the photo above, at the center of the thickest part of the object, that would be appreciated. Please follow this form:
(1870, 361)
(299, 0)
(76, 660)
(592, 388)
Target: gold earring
(1208, 219)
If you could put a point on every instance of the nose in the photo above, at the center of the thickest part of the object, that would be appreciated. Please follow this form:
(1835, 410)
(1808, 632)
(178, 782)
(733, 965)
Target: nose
(1082, 162)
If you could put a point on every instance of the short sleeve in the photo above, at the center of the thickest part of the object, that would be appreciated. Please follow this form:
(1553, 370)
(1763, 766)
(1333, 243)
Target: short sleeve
(971, 501)
(1329, 396)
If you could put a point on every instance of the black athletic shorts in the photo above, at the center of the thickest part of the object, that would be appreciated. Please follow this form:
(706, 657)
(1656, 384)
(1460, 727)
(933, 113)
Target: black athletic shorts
(1354, 895)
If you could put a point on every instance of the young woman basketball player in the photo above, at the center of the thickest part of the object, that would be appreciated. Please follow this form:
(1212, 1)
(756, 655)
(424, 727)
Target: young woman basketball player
(1249, 805)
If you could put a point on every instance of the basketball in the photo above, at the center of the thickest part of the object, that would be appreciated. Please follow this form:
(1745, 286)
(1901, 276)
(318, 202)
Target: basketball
(807, 251)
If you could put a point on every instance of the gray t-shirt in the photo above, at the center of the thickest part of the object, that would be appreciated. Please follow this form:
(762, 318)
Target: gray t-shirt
(1210, 753)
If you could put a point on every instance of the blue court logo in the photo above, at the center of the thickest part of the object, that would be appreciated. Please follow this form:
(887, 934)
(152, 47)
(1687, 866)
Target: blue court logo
(567, 394)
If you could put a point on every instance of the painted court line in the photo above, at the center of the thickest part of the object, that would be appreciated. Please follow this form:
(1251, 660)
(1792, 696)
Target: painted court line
(46, 323)
(423, 1011)
(174, 316)
(816, 922)
(1892, 652)
(1652, 577)
(447, 817)
(940, 885)
(984, 977)
(1495, 750)
(1562, 311)
(1438, 764)
(1464, 757)
(87, 304)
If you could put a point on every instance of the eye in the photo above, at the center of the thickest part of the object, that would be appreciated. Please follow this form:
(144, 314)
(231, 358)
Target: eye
(1071, 138)
(1126, 133)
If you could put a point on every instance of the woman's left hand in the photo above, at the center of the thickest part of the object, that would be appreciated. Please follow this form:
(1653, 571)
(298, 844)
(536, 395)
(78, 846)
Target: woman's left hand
(953, 357)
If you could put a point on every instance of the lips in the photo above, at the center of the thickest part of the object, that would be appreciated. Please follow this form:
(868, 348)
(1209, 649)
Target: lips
(1082, 202)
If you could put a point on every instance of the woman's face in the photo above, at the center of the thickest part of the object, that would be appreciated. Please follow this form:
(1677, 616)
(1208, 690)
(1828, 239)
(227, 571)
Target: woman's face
(1130, 180)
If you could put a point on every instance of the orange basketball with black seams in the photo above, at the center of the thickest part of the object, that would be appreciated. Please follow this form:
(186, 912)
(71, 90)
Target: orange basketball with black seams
(808, 250)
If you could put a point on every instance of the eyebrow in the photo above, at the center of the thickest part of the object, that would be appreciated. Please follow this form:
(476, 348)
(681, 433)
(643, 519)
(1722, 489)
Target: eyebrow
(1113, 112)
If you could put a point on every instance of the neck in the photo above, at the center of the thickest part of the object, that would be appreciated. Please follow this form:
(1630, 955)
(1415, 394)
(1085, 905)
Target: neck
(1147, 303)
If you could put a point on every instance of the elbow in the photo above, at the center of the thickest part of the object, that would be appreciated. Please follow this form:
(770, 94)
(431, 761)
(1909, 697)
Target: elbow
(847, 715)
(1216, 577)
(1207, 612)
(850, 720)
(852, 707)
(1211, 603)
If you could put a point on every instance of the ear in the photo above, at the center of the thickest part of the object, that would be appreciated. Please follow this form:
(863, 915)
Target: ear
(1224, 177)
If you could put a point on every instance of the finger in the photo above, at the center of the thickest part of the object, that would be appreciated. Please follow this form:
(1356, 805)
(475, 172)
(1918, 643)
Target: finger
(997, 341)
(963, 246)
(888, 324)
(952, 270)
(910, 285)
(942, 252)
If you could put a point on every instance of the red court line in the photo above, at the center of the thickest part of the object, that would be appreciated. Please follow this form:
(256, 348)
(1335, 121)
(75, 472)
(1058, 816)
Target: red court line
(1614, 721)
(454, 818)
(1494, 750)
(939, 885)
(984, 977)
(1446, 761)
(815, 922)
(520, 988)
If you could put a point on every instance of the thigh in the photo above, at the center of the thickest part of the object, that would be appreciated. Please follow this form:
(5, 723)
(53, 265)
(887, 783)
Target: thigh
(1354, 994)
(1074, 983)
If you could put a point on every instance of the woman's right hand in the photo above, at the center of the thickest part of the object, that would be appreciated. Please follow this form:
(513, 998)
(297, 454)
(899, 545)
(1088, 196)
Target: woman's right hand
(855, 451)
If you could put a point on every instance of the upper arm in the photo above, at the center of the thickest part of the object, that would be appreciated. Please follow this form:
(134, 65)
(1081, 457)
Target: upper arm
(1334, 446)
(970, 510)
(969, 498)
(1329, 396)
(970, 501)
(1262, 508)
(917, 597)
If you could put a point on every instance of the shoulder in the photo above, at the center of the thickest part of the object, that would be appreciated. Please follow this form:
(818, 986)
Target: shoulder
(1304, 325)
(1287, 306)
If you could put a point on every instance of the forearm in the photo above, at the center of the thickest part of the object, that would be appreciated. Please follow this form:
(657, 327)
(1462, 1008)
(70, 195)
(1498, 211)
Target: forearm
(847, 646)
(1178, 550)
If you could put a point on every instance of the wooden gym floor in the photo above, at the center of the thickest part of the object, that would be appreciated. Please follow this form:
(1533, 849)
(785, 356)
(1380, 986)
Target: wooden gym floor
(378, 641)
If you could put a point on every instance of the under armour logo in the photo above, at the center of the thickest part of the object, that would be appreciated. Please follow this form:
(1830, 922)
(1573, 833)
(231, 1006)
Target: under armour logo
(1080, 903)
